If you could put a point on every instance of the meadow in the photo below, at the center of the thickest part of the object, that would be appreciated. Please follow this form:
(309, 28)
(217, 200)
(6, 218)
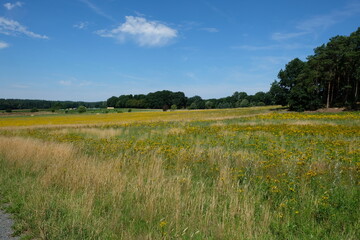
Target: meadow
(247, 173)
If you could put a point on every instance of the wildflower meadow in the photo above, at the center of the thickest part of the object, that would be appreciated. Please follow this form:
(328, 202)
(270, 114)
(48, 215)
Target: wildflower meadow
(246, 173)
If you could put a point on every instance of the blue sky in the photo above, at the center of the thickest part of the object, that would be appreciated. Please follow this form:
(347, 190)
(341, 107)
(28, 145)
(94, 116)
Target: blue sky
(91, 50)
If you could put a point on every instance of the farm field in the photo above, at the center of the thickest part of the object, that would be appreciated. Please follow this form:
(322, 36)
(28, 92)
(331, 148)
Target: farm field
(248, 173)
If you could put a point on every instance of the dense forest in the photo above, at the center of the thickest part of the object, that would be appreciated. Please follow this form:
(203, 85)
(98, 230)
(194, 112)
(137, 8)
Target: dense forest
(329, 78)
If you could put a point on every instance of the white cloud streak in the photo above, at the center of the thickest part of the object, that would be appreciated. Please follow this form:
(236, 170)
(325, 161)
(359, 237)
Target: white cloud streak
(10, 6)
(327, 20)
(3, 45)
(14, 28)
(142, 32)
(97, 10)
(319, 23)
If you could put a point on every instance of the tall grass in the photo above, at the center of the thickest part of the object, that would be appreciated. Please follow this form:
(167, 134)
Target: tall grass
(259, 177)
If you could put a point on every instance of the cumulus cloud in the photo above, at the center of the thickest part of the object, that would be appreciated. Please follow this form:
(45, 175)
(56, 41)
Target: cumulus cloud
(3, 45)
(11, 27)
(10, 6)
(142, 31)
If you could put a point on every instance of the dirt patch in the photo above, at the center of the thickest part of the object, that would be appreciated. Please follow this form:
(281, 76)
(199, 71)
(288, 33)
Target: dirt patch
(5, 227)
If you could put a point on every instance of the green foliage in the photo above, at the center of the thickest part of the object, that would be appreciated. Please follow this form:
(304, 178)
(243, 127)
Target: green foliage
(244, 103)
(193, 106)
(34, 110)
(44, 104)
(173, 107)
(209, 105)
(8, 110)
(81, 109)
(111, 102)
(330, 77)
(196, 102)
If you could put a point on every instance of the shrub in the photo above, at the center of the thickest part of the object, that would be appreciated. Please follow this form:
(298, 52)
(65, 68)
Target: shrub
(34, 110)
(82, 109)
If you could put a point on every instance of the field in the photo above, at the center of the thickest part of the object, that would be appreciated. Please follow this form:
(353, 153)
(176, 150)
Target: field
(249, 173)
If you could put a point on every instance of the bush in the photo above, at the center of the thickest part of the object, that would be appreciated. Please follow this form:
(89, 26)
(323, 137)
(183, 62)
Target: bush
(34, 110)
(82, 109)
(173, 107)
(8, 110)
(129, 110)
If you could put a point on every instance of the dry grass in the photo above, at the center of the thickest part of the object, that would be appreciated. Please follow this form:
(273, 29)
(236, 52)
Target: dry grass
(155, 194)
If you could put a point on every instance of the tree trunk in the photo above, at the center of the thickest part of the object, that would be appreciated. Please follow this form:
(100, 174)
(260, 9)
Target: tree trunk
(328, 95)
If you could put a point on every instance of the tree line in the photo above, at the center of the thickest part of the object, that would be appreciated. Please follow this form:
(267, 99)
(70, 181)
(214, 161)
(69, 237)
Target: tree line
(329, 78)
(44, 104)
(177, 100)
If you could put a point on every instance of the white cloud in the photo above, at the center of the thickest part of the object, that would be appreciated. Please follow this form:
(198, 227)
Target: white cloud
(10, 6)
(3, 45)
(11, 27)
(142, 31)
(81, 25)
